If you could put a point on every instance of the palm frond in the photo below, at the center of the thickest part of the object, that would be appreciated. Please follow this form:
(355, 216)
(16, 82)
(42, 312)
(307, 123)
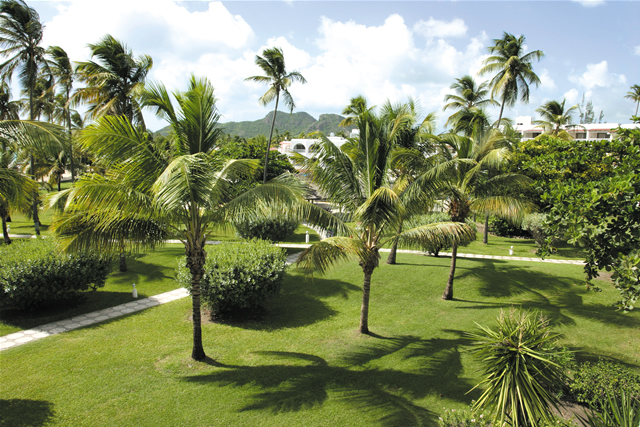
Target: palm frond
(323, 255)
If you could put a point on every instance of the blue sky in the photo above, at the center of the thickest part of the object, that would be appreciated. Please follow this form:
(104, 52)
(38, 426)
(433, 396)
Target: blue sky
(382, 50)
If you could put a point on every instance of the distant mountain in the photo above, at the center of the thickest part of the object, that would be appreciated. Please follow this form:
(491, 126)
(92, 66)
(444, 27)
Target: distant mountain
(295, 123)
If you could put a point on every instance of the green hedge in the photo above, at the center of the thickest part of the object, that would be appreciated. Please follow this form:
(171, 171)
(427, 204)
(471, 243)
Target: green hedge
(593, 382)
(34, 272)
(273, 229)
(238, 275)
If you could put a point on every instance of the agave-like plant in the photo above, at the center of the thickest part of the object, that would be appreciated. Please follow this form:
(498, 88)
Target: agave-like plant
(623, 413)
(519, 368)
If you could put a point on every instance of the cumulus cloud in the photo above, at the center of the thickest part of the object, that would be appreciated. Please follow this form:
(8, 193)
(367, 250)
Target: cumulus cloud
(598, 75)
(572, 96)
(590, 3)
(546, 82)
(434, 28)
(637, 50)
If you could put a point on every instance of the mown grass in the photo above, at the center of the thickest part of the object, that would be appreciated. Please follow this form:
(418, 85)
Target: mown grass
(304, 363)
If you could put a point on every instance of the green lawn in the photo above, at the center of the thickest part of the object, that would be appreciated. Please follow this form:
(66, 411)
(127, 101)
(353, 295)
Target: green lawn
(521, 248)
(305, 363)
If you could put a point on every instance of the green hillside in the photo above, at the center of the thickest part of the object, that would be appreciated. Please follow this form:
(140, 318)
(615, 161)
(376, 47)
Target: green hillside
(294, 123)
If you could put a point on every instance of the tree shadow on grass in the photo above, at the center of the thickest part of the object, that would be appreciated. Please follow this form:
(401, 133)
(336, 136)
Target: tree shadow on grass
(25, 413)
(556, 297)
(304, 381)
(139, 270)
(300, 303)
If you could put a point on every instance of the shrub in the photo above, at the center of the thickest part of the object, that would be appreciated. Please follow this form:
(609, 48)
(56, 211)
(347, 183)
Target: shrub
(464, 418)
(534, 224)
(273, 229)
(432, 218)
(593, 382)
(520, 368)
(505, 228)
(238, 275)
(35, 272)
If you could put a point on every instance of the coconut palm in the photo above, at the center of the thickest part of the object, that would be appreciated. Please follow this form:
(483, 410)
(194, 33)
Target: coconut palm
(185, 194)
(357, 180)
(513, 70)
(114, 80)
(356, 107)
(465, 185)
(554, 116)
(279, 80)
(20, 36)
(634, 95)
(9, 110)
(468, 97)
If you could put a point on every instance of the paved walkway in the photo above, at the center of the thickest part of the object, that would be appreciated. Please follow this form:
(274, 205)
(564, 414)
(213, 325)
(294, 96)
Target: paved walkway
(22, 337)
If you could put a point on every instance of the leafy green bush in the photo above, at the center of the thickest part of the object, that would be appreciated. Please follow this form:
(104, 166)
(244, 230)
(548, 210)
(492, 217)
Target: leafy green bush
(505, 228)
(34, 272)
(592, 382)
(273, 228)
(432, 218)
(238, 275)
(534, 224)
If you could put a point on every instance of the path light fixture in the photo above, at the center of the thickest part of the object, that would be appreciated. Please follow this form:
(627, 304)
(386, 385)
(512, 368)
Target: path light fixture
(511, 251)
(135, 291)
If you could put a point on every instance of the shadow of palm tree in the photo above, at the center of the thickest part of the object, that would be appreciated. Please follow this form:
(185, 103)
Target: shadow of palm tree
(304, 381)
(25, 413)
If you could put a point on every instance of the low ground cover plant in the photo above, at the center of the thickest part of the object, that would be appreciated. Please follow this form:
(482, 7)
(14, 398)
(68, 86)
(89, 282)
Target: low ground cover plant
(34, 272)
(595, 383)
(238, 275)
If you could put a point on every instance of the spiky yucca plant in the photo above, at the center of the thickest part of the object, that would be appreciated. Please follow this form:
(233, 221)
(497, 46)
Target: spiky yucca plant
(519, 367)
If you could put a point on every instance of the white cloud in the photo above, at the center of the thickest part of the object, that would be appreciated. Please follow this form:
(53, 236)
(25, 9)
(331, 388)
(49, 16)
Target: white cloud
(434, 28)
(590, 3)
(637, 50)
(572, 96)
(546, 82)
(598, 75)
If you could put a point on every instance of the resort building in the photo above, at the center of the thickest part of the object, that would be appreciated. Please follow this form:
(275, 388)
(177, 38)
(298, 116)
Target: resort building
(586, 132)
(305, 146)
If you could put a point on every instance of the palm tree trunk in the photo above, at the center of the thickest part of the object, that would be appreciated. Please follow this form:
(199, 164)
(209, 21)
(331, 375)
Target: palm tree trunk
(59, 181)
(195, 262)
(485, 238)
(36, 219)
(448, 291)
(123, 259)
(394, 249)
(366, 290)
(637, 104)
(5, 233)
(273, 123)
(504, 99)
(73, 169)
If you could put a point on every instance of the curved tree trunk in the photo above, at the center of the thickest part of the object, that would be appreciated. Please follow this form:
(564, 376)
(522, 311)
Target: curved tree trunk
(485, 238)
(123, 259)
(366, 289)
(394, 249)
(273, 123)
(501, 110)
(448, 291)
(195, 263)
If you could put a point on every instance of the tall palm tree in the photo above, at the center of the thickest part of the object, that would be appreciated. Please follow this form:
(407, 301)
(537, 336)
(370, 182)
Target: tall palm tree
(513, 70)
(20, 36)
(554, 116)
(184, 194)
(356, 179)
(466, 186)
(357, 106)
(64, 73)
(114, 80)
(279, 80)
(9, 110)
(634, 95)
(468, 96)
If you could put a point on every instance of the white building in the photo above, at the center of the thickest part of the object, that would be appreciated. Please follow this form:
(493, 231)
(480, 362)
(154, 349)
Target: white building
(305, 146)
(586, 132)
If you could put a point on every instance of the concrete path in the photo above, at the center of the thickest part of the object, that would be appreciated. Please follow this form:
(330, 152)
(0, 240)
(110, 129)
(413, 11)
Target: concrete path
(22, 337)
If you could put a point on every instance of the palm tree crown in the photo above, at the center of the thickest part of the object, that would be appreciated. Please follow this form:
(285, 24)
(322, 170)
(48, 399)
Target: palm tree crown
(554, 116)
(114, 80)
(279, 81)
(513, 68)
(634, 95)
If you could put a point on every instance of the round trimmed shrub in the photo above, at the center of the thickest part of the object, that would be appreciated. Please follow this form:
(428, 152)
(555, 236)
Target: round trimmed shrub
(34, 272)
(238, 275)
(273, 229)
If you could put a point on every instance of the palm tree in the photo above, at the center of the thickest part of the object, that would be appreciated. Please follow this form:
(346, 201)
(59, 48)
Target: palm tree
(468, 96)
(554, 116)
(357, 181)
(356, 107)
(184, 194)
(513, 70)
(634, 95)
(114, 81)
(466, 186)
(279, 80)
(20, 36)
(8, 109)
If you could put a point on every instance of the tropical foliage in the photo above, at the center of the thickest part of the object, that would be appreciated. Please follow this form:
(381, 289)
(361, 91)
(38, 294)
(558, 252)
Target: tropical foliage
(555, 117)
